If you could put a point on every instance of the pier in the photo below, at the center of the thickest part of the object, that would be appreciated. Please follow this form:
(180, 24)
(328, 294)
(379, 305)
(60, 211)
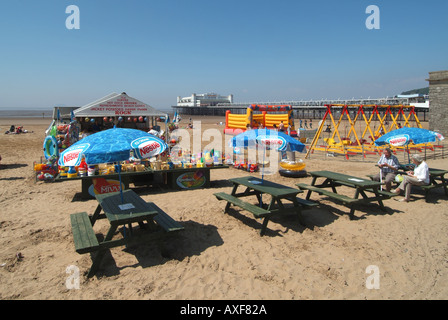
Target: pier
(310, 109)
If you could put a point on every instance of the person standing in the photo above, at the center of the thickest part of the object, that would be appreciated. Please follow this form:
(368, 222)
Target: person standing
(389, 165)
(281, 127)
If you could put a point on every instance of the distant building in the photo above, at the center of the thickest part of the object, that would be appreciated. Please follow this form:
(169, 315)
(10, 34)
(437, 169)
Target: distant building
(203, 100)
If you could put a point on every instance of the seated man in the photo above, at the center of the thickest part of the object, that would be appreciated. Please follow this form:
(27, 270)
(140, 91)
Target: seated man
(389, 165)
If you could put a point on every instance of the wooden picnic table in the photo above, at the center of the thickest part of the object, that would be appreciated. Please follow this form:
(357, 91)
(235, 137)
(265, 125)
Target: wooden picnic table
(258, 187)
(334, 180)
(120, 210)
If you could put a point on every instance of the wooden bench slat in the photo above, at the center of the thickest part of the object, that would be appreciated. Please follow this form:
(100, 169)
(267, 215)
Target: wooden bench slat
(306, 204)
(164, 220)
(83, 235)
(255, 210)
(330, 194)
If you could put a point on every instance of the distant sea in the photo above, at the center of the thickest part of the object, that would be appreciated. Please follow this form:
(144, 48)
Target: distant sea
(26, 113)
(37, 113)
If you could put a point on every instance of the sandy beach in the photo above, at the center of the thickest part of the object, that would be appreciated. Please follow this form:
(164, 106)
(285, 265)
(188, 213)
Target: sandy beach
(219, 256)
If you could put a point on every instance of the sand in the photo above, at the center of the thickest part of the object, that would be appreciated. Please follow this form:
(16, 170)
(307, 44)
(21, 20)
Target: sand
(219, 256)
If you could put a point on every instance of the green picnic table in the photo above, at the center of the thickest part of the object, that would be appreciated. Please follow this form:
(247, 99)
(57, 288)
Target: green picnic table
(363, 187)
(257, 187)
(120, 210)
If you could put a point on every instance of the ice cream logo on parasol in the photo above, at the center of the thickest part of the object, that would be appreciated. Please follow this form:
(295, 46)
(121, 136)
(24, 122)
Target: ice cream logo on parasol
(147, 147)
(73, 157)
(399, 140)
(439, 136)
(271, 142)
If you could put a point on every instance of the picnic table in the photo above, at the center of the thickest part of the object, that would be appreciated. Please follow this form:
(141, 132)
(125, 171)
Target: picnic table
(257, 187)
(436, 180)
(120, 210)
(361, 186)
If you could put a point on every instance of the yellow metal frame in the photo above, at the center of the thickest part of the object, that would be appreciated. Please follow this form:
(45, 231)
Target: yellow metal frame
(360, 145)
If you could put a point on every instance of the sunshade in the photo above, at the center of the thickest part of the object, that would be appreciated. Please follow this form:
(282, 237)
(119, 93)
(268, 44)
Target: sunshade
(404, 136)
(273, 140)
(113, 145)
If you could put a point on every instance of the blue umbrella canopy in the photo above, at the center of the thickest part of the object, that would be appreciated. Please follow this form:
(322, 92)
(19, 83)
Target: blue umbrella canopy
(112, 145)
(404, 136)
(271, 139)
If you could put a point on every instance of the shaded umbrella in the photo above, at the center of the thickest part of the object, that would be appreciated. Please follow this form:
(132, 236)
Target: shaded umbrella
(268, 139)
(113, 145)
(404, 136)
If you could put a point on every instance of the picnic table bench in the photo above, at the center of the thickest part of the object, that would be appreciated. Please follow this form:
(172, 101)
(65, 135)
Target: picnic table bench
(334, 180)
(120, 212)
(257, 187)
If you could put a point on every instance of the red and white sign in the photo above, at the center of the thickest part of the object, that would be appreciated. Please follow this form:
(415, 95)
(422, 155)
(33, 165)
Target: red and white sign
(147, 147)
(72, 157)
(398, 141)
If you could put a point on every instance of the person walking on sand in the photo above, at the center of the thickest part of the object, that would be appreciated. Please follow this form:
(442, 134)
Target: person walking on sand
(389, 165)
(311, 124)
(306, 124)
(418, 177)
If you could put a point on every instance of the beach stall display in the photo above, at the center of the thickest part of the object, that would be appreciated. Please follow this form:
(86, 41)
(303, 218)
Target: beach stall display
(109, 160)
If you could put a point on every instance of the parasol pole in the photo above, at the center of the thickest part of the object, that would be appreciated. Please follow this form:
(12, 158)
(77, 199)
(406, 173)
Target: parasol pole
(409, 160)
(381, 179)
(118, 169)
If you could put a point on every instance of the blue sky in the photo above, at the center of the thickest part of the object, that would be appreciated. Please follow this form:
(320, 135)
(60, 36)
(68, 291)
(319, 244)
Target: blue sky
(259, 50)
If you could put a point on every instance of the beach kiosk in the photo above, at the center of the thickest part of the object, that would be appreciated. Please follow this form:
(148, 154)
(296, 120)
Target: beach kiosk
(117, 109)
(123, 111)
(120, 110)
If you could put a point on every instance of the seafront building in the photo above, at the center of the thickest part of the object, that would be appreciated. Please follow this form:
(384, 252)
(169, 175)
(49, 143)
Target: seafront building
(203, 100)
(216, 105)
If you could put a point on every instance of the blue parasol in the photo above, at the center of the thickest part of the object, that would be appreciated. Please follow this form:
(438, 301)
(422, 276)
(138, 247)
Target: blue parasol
(269, 140)
(112, 145)
(404, 136)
